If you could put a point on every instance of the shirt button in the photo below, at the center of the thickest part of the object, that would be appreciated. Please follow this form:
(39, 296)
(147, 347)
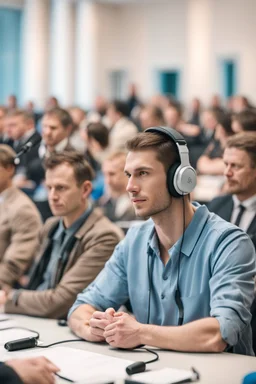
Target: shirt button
(162, 296)
(165, 277)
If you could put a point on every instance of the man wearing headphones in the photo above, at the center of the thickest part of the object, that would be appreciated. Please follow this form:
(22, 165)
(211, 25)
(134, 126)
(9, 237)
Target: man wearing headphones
(188, 273)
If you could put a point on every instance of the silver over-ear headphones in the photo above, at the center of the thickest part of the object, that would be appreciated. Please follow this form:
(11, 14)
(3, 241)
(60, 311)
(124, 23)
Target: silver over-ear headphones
(181, 177)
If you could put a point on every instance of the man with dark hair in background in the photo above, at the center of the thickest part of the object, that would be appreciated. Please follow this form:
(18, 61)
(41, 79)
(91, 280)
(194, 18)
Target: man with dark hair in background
(151, 116)
(19, 224)
(56, 129)
(244, 121)
(21, 127)
(74, 245)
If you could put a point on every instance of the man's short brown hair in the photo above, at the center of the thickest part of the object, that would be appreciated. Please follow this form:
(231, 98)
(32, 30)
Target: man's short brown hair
(62, 115)
(165, 149)
(247, 119)
(245, 141)
(20, 112)
(82, 169)
(7, 156)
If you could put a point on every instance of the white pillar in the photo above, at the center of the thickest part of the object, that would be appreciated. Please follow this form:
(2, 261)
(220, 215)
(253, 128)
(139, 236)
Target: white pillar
(200, 48)
(34, 77)
(62, 51)
(86, 53)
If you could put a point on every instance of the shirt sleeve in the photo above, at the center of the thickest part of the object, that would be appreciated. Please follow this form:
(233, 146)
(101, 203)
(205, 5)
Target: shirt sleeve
(232, 284)
(110, 288)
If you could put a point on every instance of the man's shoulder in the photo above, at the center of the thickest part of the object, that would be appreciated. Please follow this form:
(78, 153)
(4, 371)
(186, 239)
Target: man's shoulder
(220, 201)
(221, 228)
(99, 221)
(18, 201)
(140, 230)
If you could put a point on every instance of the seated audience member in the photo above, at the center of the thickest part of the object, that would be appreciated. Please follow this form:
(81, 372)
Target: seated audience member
(122, 129)
(79, 122)
(96, 139)
(195, 112)
(21, 127)
(216, 103)
(56, 129)
(209, 121)
(210, 162)
(19, 224)
(151, 116)
(116, 203)
(239, 204)
(223, 129)
(74, 245)
(133, 99)
(12, 102)
(173, 115)
(33, 370)
(4, 137)
(244, 121)
(240, 103)
(99, 112)
(192, 268)
(96, 136)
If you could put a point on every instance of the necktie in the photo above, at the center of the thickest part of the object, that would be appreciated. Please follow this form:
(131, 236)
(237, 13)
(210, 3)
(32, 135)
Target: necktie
(240, 214)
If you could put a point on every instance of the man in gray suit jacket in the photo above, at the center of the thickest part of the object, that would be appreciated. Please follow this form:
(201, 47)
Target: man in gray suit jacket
(74, 245)
(19, 224)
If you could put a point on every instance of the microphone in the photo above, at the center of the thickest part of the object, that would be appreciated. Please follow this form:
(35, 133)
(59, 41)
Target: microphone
(31, 142)
(16, 345)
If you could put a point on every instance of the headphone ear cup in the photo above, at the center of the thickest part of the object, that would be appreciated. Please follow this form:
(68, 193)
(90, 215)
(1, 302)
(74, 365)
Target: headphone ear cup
(170, 178)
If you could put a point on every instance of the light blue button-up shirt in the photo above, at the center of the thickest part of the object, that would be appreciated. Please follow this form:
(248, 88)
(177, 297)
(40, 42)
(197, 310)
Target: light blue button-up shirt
(217, 267)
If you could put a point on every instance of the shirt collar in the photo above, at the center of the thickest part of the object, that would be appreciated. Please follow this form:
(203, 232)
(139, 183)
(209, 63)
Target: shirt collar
(248, 203)
(191, 235)
(75, 226)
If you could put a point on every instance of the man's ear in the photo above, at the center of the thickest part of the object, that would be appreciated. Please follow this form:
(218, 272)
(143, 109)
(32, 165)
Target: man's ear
(87, 188)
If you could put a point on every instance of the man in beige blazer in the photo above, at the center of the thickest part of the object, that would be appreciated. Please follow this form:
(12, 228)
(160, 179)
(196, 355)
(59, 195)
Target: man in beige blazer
(74, 246)
(19, 224)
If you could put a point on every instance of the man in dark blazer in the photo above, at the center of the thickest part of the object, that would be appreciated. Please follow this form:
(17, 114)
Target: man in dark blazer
(21, 127)
(28, 371)
(239, 204)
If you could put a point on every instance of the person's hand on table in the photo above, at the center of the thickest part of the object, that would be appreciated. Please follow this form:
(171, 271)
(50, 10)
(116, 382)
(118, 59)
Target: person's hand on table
(123, 331)
(37, 370)
(97, 324)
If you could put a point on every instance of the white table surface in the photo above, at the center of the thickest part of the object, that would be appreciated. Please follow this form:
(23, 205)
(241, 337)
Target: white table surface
(214, 368)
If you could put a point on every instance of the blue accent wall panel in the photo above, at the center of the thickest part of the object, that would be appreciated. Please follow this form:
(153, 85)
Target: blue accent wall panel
(10, 43)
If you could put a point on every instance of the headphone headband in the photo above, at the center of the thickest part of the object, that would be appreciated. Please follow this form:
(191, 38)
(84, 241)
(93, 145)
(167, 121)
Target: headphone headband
(174, 135)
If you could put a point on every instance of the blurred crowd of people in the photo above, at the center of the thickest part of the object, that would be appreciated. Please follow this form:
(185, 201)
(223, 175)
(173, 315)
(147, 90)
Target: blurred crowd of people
(64, 204)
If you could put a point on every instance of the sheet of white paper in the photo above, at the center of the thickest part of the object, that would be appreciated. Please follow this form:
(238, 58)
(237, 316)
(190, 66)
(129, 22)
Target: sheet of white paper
(8, 323)
(79, 365)
(3, 316)
(163, 376)
(14, 334)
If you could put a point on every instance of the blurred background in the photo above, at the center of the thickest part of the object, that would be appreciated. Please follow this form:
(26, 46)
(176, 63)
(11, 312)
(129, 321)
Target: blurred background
(77, 50)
